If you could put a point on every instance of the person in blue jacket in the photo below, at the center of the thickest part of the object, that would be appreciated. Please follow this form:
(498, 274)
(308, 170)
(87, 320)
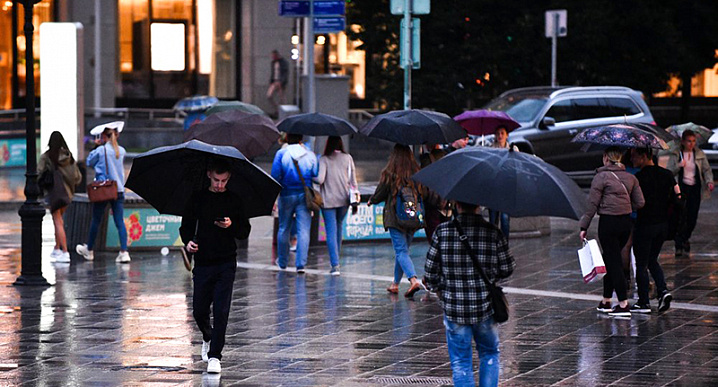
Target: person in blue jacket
(291, 198)
(108, 163)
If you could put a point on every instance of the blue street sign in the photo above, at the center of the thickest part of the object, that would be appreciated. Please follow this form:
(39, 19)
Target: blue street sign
(293, 8)
(329, 8)
(325, 25)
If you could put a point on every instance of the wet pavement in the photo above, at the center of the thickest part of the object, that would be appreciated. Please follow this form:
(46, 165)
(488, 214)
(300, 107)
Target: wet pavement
(106, 324)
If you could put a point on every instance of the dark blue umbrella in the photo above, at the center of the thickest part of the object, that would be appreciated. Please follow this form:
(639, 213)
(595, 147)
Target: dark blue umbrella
(414, 127)
(166, 178)
(316, 124)
(518, 184)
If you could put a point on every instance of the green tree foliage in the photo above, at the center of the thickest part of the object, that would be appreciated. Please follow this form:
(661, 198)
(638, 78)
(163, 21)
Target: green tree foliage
(472, 50)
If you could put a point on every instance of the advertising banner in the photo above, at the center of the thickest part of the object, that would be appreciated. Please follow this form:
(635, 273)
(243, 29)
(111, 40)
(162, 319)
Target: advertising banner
(146, 228)
(367, 224)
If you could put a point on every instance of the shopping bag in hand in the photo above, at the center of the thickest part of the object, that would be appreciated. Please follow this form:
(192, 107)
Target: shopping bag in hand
(591, 260)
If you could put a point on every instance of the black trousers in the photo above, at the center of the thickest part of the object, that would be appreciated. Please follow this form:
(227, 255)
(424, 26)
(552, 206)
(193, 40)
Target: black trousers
(692, 195)
(647, 243)
(213, 288)
(613, 233)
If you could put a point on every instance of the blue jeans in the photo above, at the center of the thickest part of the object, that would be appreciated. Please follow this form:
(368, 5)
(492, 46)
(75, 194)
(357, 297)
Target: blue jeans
(98, 210)
(402, 241)
(333, 219)
(289, 205)
(495, 217)
(458, 339)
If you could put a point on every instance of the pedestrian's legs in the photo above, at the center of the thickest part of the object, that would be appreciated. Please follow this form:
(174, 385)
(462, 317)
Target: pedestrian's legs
(304, 225)
(202, 299)
(641, 249)
(222, 299)
(341, 214)
(505, 227)
(613, 233)
(493, 217)
(486, 336)
(653, 266)
(401, 242)
(98, 211)
(58, 222)
(458, 340)
(330, 225)
(286, 207)
(119, 217)
(693, 205)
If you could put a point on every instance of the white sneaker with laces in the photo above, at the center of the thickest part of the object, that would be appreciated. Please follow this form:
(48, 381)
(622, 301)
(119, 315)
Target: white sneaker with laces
(123, 257)
(205, 349)
(85, 252)
(63, 258)
(214, 366)
(55, 254)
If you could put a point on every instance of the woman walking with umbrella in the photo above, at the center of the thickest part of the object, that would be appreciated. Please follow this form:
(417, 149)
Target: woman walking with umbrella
(501, 219)
(396, 181)
(335, 177)
(614, 194)
(108, 162)
(59, 158)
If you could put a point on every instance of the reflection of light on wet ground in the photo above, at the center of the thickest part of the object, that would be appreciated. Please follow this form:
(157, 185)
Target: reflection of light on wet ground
(8, 366)
(157, 361)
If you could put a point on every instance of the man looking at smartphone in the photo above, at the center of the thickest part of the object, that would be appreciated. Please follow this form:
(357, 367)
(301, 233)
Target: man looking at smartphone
(215, 220)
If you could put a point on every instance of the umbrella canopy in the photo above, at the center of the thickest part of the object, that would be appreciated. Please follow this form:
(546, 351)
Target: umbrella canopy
(166, 178)
(622, 135)
(251, 134)
(661, 133)
(484, 122)
(517, 183)
(222, 106)
(316, 124)
(195, 103)
(414, 127)
(703, 134)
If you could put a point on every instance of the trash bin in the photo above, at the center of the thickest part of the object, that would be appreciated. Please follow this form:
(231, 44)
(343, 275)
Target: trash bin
(77, 222)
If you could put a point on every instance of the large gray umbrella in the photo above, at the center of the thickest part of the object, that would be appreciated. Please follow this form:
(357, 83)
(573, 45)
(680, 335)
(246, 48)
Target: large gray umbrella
(518, 184)
(414, 127)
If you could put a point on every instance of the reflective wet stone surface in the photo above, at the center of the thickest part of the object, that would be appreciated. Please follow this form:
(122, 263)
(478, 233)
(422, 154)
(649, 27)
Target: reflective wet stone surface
(106, 324)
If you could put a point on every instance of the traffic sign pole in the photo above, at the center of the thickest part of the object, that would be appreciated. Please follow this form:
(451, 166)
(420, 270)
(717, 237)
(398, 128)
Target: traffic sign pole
(554, 43)
(309, 59)
(407, 55)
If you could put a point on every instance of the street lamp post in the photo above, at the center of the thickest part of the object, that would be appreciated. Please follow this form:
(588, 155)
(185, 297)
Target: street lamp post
(32, 211)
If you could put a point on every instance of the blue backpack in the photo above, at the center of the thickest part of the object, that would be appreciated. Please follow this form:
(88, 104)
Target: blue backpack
(409, 209)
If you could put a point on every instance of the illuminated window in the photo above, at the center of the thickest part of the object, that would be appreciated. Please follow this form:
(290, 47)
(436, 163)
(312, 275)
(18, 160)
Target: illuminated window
(168, 46)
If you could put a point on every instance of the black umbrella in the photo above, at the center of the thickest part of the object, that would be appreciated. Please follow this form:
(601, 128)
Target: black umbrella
(414, 127)
(167, 176)
(251, 134)
(316, 124)
(516, 183)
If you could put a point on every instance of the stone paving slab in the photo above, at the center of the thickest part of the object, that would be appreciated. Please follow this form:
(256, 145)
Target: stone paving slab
(107, 324)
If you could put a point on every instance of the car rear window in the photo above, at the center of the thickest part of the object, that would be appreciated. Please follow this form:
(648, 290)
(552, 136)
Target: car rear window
(621, 106)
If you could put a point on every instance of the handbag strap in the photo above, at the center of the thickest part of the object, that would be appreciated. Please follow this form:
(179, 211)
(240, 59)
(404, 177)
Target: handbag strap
(299, 171)
(624, 186)
(465, 241)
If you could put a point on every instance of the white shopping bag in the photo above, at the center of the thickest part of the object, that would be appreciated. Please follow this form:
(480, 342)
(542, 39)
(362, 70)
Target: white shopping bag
(591, 260)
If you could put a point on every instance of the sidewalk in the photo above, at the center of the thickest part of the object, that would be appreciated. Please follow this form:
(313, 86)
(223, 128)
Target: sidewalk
(108, 324)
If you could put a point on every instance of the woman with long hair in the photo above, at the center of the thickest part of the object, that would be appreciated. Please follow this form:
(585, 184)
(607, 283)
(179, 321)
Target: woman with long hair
(335, 177)
(59, 158)
(614, 194)
(108, 162)
(396, 180)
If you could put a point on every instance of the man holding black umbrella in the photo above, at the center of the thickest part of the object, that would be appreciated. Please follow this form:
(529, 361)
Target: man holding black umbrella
(209, 230)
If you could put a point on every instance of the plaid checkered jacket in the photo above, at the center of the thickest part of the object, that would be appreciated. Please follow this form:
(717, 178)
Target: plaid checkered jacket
(450, 269)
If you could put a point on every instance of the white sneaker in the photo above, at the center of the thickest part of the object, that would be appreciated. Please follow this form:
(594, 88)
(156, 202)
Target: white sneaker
(123, 257)
(63, 258)
(55, 254)
(205, 349)
(214, 366)
(85, 252)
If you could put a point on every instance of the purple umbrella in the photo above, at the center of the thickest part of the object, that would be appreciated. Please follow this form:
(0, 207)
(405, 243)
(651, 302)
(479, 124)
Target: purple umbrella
(484, 122)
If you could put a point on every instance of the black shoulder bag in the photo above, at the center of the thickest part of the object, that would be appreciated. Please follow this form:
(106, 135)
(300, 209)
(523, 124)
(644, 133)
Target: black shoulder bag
(499, 303)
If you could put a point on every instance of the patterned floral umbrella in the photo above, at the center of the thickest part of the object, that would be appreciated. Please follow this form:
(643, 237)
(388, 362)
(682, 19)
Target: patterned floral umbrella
(622, 135)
